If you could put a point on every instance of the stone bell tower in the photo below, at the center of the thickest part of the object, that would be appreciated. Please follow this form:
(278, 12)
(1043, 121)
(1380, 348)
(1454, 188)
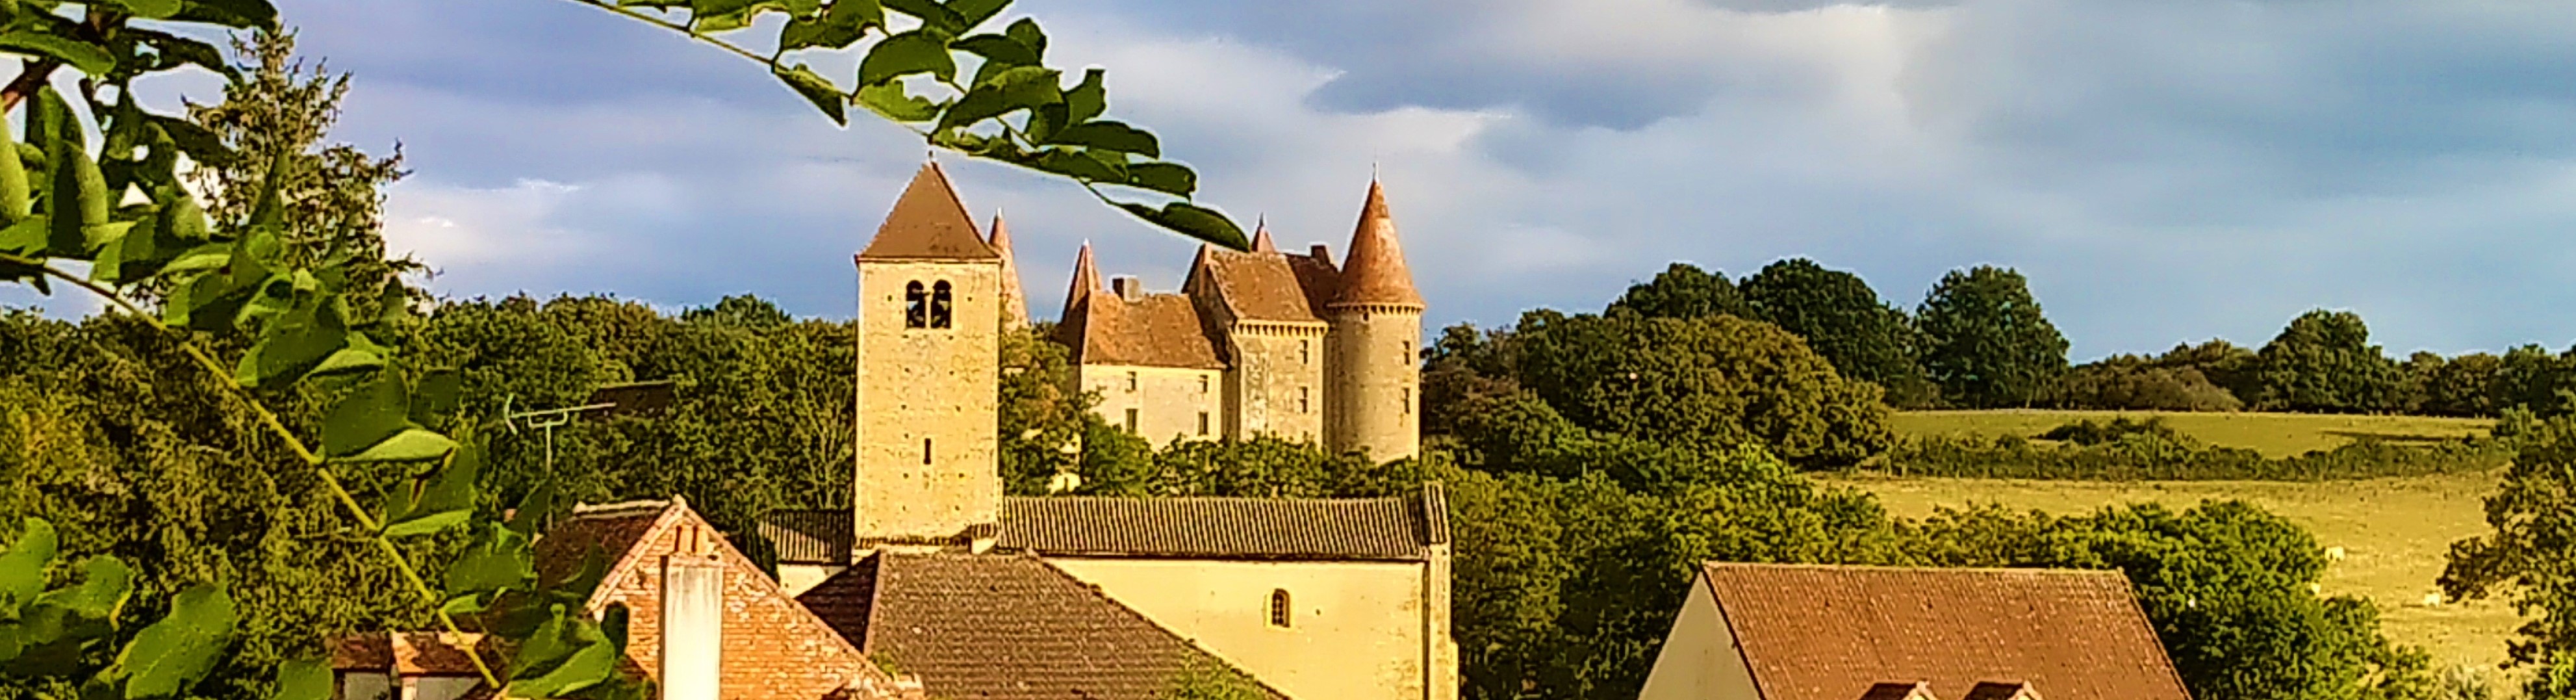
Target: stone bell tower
(930, 302)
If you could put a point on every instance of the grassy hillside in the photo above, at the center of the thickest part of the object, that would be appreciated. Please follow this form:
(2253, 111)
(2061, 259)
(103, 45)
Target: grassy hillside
(2274, 434)
(2393, 532)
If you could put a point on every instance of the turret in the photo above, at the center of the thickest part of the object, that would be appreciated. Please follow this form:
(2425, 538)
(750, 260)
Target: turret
(1375, 379)
(1015, 304)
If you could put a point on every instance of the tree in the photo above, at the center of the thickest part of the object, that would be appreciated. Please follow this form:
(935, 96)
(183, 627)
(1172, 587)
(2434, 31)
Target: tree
(2463, 386)
(1716, 379)
(2530, 552)
(1843, 320)
(1682, 290)
(1462, 369)
(1042, 418)
(1985, 340)
(2129, 382)
(2324, 362)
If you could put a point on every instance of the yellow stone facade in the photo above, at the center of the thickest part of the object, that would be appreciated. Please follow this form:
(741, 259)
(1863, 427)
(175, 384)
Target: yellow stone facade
(929, 320)
(1354, 629)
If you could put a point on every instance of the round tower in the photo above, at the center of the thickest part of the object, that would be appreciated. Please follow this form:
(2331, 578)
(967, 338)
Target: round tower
(1373, 382)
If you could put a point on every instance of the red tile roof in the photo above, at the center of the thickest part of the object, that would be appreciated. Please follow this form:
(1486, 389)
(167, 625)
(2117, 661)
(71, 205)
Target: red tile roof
(1374, 272)
(1256, 286)
(1155, 330)
(928, 223)
(1007, 628)
(1832, 632)
(1398, 529)
(1015, 303)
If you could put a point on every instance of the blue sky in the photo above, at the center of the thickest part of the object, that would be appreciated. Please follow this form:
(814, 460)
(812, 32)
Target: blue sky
(2162, 170)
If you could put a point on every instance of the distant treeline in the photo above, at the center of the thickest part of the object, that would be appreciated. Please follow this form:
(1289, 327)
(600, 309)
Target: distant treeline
(1979, 339)
(2126, 450)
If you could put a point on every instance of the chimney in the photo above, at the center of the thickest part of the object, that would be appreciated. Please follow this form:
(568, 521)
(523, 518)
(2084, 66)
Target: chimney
(1321, 252)
(692, 618)
(1127, 288)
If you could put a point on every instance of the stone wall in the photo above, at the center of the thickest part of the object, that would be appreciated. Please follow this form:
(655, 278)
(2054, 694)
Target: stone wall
(1376, 381)
(1277, 384)
(926, 405)
(1168, 401)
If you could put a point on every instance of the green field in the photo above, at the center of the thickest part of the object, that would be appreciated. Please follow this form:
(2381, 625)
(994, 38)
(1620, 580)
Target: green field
(2274, 434)
(2394, 531)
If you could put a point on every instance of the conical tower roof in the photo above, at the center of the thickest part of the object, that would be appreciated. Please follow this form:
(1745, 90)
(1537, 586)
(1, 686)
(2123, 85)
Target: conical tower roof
(1086, 280)
(1261, 237)
(1374, 271)
(928, 223)
(1015, 303)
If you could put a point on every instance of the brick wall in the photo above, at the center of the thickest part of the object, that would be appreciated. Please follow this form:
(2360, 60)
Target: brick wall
(773, 649)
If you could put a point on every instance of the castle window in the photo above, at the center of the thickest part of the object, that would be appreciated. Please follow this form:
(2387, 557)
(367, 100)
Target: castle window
(1203, 423)
(1131, 381)
(1408, 352)
(925, 450)
(1131, 421)
(916, 306)
(941, 311)
(1279, 613)
(1305, 353)
(1408, 402)
(1203, 383)
(1301, 400)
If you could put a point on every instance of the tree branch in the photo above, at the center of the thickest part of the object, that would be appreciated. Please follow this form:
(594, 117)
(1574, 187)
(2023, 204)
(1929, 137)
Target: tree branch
(30, 77)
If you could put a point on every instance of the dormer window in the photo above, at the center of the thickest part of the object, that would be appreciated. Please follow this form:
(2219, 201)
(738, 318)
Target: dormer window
(916, 306)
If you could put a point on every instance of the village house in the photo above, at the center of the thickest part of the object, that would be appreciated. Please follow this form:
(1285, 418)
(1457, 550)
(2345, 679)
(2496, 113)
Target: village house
(1811, 632)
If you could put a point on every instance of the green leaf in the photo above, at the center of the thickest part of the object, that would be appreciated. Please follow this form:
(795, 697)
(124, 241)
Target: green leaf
(1106, 135)
(374, 412)
(51, 122)
(974, 12)
(536, 509)
(839, 26)
(1087, 100)
(76, 200)
(439, 392)
(172, 655)
(1027, 33)
(178, 51)
(1192, 220)
(498, 560)
(304, 679)
(81, 55)
(150, 9)
(445, 501)
(269, 209)
(27, 237)
(698, 8)
(816, 89)
(567, 653)
(932, 15)
(237, 14)
(996, 48)
(15, 197)
(909, 53)
(105, 584)
(412, 444)
(1078, 165)
(22, 568)
(295, 344)
(889, 100)
(1167, 178)
(1015, 89)
(201, 144)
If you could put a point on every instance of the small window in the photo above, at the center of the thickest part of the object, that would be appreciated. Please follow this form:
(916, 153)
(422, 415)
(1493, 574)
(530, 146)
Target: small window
(916, 306)
(1301, 400)
(1408, 352)
(1408, 402)
(1305, 352)
(1131, 421)
(1203, 422)
(925, 450)
(1203, 384)
(941, 311)
(1279, 612)
(1131, 382)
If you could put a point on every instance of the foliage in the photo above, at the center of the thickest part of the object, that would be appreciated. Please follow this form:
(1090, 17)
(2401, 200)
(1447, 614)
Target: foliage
(1843, 320)
(2324, 362)
(1462, 369)
(2225, 585)
(2152, 452)
(2531, 552)
(2087, 432)
(1986, 341)
(1042, 418)
(1201, 680)
(1716, 379)
(1001, 103)
(1682, 290)
(2128, 382)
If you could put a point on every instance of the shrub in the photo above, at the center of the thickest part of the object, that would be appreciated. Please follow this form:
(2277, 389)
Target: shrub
(2149, 450)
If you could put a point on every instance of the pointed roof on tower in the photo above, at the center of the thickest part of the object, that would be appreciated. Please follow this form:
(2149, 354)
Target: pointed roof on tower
(1261, 237)
(1086, 280)
(928, 223)
(1374, 271)
(1015, 303)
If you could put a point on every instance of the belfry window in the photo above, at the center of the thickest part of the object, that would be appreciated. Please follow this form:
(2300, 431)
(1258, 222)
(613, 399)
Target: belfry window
(916, 306)
(941, 311)
(1279, 611)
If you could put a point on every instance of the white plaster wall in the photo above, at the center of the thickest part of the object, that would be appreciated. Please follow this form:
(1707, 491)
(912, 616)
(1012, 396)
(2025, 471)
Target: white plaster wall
(1357, 631)
(1168, 400)
(796, 579)
(1700, 659)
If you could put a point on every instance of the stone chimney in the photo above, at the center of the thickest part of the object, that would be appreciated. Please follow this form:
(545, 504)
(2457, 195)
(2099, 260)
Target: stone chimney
(1320, 252)
(692, 617)
(1127, 288)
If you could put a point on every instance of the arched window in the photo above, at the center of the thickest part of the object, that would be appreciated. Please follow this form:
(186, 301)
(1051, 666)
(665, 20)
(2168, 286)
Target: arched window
(1279, 613)
(916, 306)
(941, 311)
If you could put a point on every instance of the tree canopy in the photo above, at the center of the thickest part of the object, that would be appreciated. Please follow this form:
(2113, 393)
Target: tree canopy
(1843, 320)
(1986, 341)
(2324, 362)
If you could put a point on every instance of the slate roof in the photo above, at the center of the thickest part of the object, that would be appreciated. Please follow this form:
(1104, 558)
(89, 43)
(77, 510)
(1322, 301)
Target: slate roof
(1833, 632)
(1005, 627)
(1386, 529)
(1155, 330)
(928, 222)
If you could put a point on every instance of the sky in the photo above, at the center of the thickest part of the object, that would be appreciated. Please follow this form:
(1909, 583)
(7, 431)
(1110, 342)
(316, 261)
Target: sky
(2163, 171)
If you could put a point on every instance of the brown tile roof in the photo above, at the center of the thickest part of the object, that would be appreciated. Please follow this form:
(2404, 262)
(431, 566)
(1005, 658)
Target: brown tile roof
(1155, 330)
(808, 536)
(1316, 276)
(1256, 286)
(1086, 282)
(612, 529)
(928, 223)
(407, 653)
(1917, 690)
(2002, 691)
(1226, 528)
(1374, 271)
(1015, 303)
(1831, 632)
(1006, 628)
(1261, 238)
